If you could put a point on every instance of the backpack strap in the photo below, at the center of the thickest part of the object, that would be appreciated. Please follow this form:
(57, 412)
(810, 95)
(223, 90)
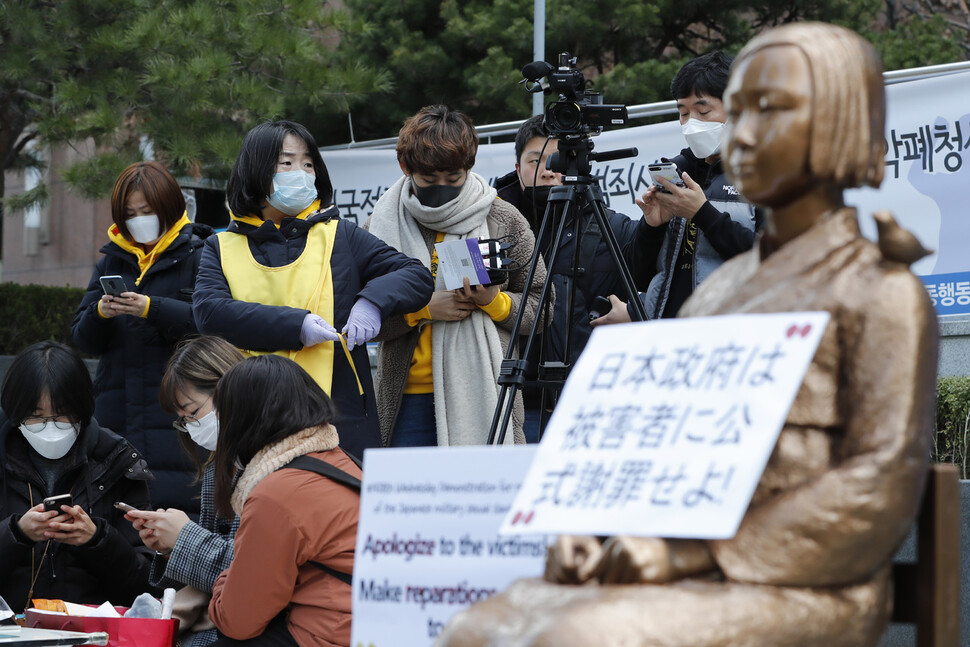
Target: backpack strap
(346, 578)
(324, 468)
(353, 458)
(327, 470)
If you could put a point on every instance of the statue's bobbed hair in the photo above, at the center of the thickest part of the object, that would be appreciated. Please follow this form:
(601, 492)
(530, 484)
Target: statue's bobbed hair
(848, 144)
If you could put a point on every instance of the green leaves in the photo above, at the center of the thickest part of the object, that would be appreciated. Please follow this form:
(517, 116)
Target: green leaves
(468, 53)
(191, 76)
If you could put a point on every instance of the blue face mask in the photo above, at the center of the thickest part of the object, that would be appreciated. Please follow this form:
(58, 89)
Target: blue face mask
(293, 191)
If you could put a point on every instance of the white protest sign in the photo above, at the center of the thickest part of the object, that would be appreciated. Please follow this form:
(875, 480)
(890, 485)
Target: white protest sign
(427, 540)
(664, 427)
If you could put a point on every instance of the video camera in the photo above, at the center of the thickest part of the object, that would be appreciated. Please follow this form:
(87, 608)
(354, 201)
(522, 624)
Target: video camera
(578, 111)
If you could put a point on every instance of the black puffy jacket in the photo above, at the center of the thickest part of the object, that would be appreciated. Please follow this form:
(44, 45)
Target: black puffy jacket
(101, 468)
(134, 352)
(361, 265)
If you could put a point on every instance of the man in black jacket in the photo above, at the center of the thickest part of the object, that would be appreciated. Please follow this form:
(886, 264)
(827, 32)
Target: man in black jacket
(688, 231)
(527, 188)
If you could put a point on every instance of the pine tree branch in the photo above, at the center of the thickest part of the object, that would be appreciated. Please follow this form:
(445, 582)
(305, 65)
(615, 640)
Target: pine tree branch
(23, 141)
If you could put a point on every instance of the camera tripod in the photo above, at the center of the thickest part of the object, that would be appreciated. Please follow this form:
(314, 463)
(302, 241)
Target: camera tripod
(578, 191)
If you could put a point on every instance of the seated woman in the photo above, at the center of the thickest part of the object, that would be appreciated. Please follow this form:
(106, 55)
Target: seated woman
(189, 553)
(50, 445)
(438, 366)
(810, 563)
(289, 581)
(289, 273)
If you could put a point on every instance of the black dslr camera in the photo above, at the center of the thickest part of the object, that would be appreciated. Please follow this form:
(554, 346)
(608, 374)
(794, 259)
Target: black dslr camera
(578, 112)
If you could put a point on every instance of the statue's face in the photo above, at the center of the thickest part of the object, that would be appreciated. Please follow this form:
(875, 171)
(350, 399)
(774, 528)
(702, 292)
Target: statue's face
(768, 132)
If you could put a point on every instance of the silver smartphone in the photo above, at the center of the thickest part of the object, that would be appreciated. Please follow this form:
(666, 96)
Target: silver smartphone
(666, 170)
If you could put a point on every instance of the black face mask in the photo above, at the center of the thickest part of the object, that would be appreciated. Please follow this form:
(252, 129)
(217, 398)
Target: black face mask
(533, 204)
(436, 194)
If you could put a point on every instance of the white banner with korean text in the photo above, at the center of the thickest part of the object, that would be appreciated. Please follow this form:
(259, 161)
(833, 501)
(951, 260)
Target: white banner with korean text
(927, 175)
(664, 427)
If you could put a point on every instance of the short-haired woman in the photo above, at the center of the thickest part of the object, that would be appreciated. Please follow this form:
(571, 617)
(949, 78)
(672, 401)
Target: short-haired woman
(50, 445)
(186, 552)
(289, 581)
(439, 365)
(289, 274)
(155, 249)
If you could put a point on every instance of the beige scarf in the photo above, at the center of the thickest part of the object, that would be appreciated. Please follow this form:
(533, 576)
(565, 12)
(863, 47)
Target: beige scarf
(272, 457)
(466, 355)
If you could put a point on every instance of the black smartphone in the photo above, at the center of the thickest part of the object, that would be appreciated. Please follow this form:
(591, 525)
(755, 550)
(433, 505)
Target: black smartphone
(113, 285)
(601, 306)
(54, 503)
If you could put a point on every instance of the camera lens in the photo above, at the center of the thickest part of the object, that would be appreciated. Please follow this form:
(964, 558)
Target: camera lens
(564, 117)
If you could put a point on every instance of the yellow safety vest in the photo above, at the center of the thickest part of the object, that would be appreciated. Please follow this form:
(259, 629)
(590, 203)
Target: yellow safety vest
(304, 283)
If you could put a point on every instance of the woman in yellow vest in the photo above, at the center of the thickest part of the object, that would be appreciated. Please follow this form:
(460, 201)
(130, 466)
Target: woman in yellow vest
(290, 277)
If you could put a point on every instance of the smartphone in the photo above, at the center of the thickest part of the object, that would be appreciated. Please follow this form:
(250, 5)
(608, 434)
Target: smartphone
(54, 503)
(601, 306)
(113, 285)
(666, 170)
(124, 507)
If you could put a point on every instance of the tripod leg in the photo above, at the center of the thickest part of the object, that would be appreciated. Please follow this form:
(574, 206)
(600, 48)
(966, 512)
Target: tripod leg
(565, 195)
(633, 296)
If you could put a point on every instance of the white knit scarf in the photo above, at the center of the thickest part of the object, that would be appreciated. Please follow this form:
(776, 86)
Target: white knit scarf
(464, 398)
(272, 457)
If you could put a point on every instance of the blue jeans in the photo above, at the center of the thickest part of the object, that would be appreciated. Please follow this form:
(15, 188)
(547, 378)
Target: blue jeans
(415, 425)
(531, 427)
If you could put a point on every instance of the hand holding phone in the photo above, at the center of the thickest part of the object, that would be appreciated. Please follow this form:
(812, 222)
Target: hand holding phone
(601, 306)
(124, 507)
(113, 285)
(54, 503)
(666, 170)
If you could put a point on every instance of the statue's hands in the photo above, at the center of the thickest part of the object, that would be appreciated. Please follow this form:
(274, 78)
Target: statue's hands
(635, 560)
(573, 559)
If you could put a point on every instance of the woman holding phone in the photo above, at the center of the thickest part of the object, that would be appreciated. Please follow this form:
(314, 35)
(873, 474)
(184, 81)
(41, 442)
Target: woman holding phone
(153, 250)
(189, 555)
(51, 447)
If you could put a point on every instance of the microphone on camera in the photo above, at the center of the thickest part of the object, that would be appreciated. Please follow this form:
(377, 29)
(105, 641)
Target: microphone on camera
(536, 70)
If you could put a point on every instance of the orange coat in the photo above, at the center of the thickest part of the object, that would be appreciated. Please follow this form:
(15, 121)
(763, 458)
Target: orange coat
(291, 517)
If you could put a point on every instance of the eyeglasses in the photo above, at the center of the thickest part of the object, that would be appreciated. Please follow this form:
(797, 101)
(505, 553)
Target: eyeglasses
(36, 424)
(181, 422)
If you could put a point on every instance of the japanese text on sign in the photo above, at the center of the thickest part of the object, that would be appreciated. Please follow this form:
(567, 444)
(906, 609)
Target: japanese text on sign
(664, 427)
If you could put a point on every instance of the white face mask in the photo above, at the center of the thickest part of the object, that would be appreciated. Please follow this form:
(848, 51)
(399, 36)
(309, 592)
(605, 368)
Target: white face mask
(51, 442)
(703, 137)
(204, 431)
(143, 229)
(293, 191)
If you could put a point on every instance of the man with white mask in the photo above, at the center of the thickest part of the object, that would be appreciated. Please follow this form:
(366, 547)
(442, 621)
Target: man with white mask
(688, 231)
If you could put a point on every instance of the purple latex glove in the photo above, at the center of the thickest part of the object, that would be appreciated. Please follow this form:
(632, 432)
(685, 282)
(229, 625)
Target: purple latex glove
(315, 330)
(363, 324)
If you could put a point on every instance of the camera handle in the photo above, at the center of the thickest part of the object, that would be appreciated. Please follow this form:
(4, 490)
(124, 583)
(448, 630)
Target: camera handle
(564, 199)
